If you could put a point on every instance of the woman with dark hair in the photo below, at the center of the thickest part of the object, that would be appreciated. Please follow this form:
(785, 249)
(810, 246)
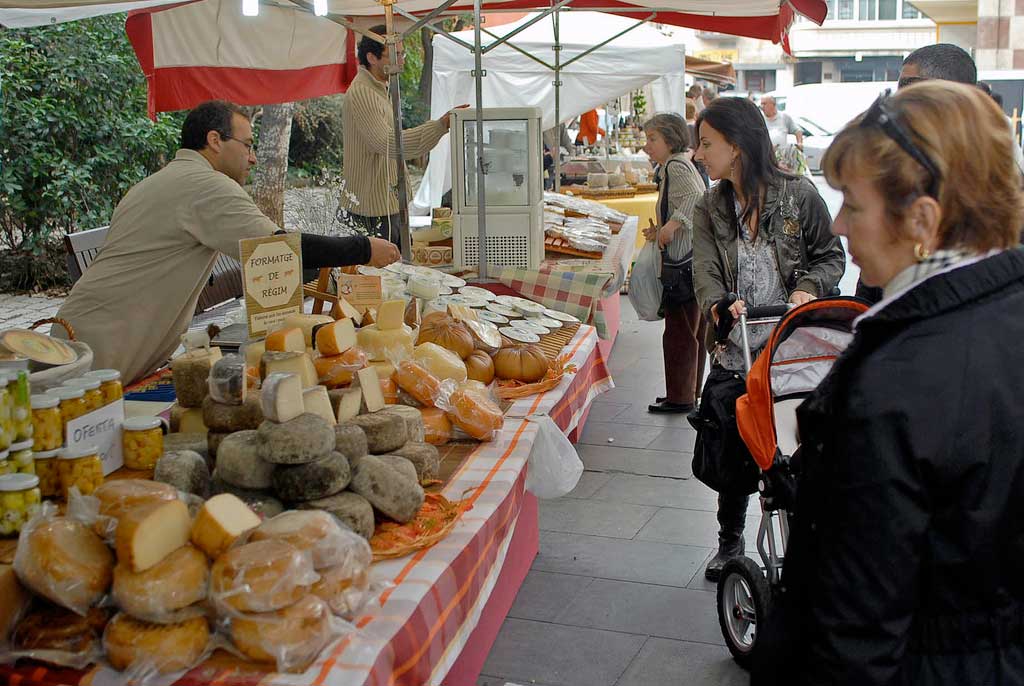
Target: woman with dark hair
(765, 235)
(679, 187)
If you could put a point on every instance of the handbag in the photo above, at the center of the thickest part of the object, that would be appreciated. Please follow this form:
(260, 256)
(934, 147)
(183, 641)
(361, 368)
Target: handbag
(721, 459)
(676, 275)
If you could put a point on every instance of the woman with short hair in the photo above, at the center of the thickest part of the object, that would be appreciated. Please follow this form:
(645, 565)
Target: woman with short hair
(905, 563)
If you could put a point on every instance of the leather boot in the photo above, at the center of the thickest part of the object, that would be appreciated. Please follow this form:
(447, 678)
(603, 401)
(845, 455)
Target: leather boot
(732, 515)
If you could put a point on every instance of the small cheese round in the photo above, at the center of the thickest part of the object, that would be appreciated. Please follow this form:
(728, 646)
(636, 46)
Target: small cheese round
(239, 462)
(388, 491)
(350, 440)
(400, 465)
(165, 648)
(424, 458)
(291, 638)
(317, 479)
(413, 420)
(261, 576)
(300, 440)
(316, 531)
(196, 442)
(352, 509)
(176, 582)
(213, 441)
(227, 418)
(384, 432)
(186, 471)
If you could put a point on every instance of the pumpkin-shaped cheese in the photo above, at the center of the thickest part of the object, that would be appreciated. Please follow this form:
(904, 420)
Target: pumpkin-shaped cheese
(447, 333)
(480, 367)
(526, 363)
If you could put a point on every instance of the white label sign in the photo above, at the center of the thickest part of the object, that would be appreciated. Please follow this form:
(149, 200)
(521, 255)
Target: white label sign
(101, 428)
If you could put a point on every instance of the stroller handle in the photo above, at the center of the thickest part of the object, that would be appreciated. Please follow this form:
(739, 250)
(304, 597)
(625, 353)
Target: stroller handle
(767, 312)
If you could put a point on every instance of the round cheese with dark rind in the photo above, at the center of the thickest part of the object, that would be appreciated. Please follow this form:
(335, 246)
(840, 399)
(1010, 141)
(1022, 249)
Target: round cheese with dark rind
(390, 493)
(350, 440)
(413, 421)
(228, 418)
(195, 442)
(352, 509)
(185, 470)
(384, 431)
(317, 479)
(239, 462)
(424, 458)
(213, 441)
(262, 503)
(306, 438)
(400, 465)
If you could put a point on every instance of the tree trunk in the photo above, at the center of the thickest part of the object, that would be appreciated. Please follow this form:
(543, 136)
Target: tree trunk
(426, 76)
(272, 160)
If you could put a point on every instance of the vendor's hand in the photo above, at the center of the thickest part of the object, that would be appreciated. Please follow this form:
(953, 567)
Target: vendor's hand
(383, 253)
(446, 118)
(650, 231)
(800, 297)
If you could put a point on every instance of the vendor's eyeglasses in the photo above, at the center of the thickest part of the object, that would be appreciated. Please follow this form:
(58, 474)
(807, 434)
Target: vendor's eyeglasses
(249, 147)
(881, 116)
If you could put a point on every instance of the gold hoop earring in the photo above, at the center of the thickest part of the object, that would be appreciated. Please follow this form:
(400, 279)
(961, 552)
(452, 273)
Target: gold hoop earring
(921, 253)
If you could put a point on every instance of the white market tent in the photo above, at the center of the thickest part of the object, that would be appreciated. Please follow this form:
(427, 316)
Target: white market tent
(518, 77)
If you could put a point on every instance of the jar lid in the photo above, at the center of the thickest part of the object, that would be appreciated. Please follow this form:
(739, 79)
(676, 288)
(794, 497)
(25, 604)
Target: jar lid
(83, 382)
(46, 454)
(78, 451)
(23, 445)
(42, 402)
(18, 482)
(141, 423)
(104, 375)
(68, 392)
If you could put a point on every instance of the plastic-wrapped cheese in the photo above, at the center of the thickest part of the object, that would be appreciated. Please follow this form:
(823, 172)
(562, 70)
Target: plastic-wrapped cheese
(442, 363)
(306, 323)
(385, 370)
(290, 638)
(261, 576)
(228, 380)
(318, 532)
(339, 370)
(437, 428)
(385, 345)
(414, 379)
(473, 411)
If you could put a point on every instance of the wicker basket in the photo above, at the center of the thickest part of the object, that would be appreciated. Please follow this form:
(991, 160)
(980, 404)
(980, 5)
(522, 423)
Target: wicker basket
(44, 377)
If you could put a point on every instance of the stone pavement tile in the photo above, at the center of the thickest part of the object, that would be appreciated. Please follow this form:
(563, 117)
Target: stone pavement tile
(530, 652)
(590, 483)
(648, 609)
(612, 458)
(662, 662)
(627, 394)
(611, 558)
(484, 680)
(622, 435)
(638, 414)
(674, 440)
(690, 527)
(616, 520)
(544, 595)
(642, 372)
(605, 412)
(688, 494)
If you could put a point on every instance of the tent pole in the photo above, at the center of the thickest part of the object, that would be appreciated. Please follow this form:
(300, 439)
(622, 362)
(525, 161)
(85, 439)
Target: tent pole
(395, 90)
(481, 197)
(556, 153)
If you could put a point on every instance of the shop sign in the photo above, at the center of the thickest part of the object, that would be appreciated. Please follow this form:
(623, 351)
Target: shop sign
(272, 275)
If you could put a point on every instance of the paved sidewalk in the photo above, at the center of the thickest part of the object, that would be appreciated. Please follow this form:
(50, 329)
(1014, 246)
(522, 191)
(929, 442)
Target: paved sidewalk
(617, 595)
(20, 311)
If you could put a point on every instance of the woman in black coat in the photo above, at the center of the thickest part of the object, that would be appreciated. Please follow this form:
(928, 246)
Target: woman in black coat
(906, 558)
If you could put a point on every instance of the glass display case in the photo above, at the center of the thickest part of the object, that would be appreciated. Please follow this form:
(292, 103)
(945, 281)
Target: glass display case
(512, 154)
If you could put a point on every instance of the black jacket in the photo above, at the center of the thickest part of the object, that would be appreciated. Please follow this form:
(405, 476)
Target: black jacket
(906, 558)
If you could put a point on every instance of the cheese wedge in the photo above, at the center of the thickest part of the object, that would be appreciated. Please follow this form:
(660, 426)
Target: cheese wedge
(288, 340)
(187, 420)
(296, 363)
(351, 401)
(281, 397)
(315, 401)
(254, 353)
(391, 315)
(149, 533)
(305, 323)
(369, 384)
(344, 310)
(221, 520)
(336, 337)
(369, 316)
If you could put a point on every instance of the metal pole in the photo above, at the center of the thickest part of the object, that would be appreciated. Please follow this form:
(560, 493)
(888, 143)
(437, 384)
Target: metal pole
(481, 198)
(395, 90)
(557, 47)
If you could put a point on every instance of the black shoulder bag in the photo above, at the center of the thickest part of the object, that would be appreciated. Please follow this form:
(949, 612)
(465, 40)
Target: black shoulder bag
(676, 276)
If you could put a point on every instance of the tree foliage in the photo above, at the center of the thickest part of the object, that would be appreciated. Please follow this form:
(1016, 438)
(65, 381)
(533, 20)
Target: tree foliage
(74, 135)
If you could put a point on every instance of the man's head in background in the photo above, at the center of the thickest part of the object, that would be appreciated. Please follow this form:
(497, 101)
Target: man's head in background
(942, 61)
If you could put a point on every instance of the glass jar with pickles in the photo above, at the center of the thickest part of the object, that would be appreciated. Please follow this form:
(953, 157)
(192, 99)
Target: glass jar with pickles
(110, 384)
(6, 466)
(6, 421)
(21, 406)
(47, 427)
(93, 395)
(19, 501)
(21, 458)
(72, 403)
(46, 469)
(142, 442)
(81, 467)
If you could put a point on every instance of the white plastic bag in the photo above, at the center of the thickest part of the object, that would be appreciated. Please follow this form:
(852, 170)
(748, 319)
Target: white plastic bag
(554, 468)
(645, 284)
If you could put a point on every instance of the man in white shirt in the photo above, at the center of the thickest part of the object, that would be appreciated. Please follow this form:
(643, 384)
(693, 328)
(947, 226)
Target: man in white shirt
(780, 124)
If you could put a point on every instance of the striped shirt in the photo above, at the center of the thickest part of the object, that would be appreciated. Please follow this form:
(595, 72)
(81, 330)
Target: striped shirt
(369, 140)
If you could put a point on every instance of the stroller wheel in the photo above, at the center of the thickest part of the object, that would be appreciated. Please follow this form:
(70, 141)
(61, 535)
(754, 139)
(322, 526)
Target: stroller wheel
(743, 596)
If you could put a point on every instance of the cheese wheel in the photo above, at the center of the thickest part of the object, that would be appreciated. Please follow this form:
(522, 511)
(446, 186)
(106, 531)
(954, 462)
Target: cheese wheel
(185, 470)
(213, 441)
(339, 370)
(288, 340)
(119, 496)
(388, 491)
(314, 531)
(385, 345)
(475, 413)
(64, 561)
(437, 428)
(424, 458)
(290, 638)
(350, 440)
(261, 576)
(401, 465)
(239, 462)
(175, 583)
(196, 442)
(384, 432)
(388, 389)
(413, 420)
(147, 647)
(414, 379)
(262, 503)
(222, 418)
(303, 439)
(317, 479)
(442, 363)
(228, 380)
(351, 509)
(219, 523)
(148, 534)
(336, 337)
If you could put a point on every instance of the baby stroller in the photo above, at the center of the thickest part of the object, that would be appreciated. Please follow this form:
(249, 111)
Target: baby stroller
(799, 353)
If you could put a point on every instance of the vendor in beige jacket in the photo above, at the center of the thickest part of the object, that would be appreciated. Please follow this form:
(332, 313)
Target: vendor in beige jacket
(368, 134)
(137, 298)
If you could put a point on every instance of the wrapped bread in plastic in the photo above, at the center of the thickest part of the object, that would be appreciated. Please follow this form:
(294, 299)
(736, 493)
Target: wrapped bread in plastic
(261, 576)
(46, 629)
(158, 594)
(344, 592)
(471, 408)
(290, 638)
(319, 533)
(145, 648)
(64, 561)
